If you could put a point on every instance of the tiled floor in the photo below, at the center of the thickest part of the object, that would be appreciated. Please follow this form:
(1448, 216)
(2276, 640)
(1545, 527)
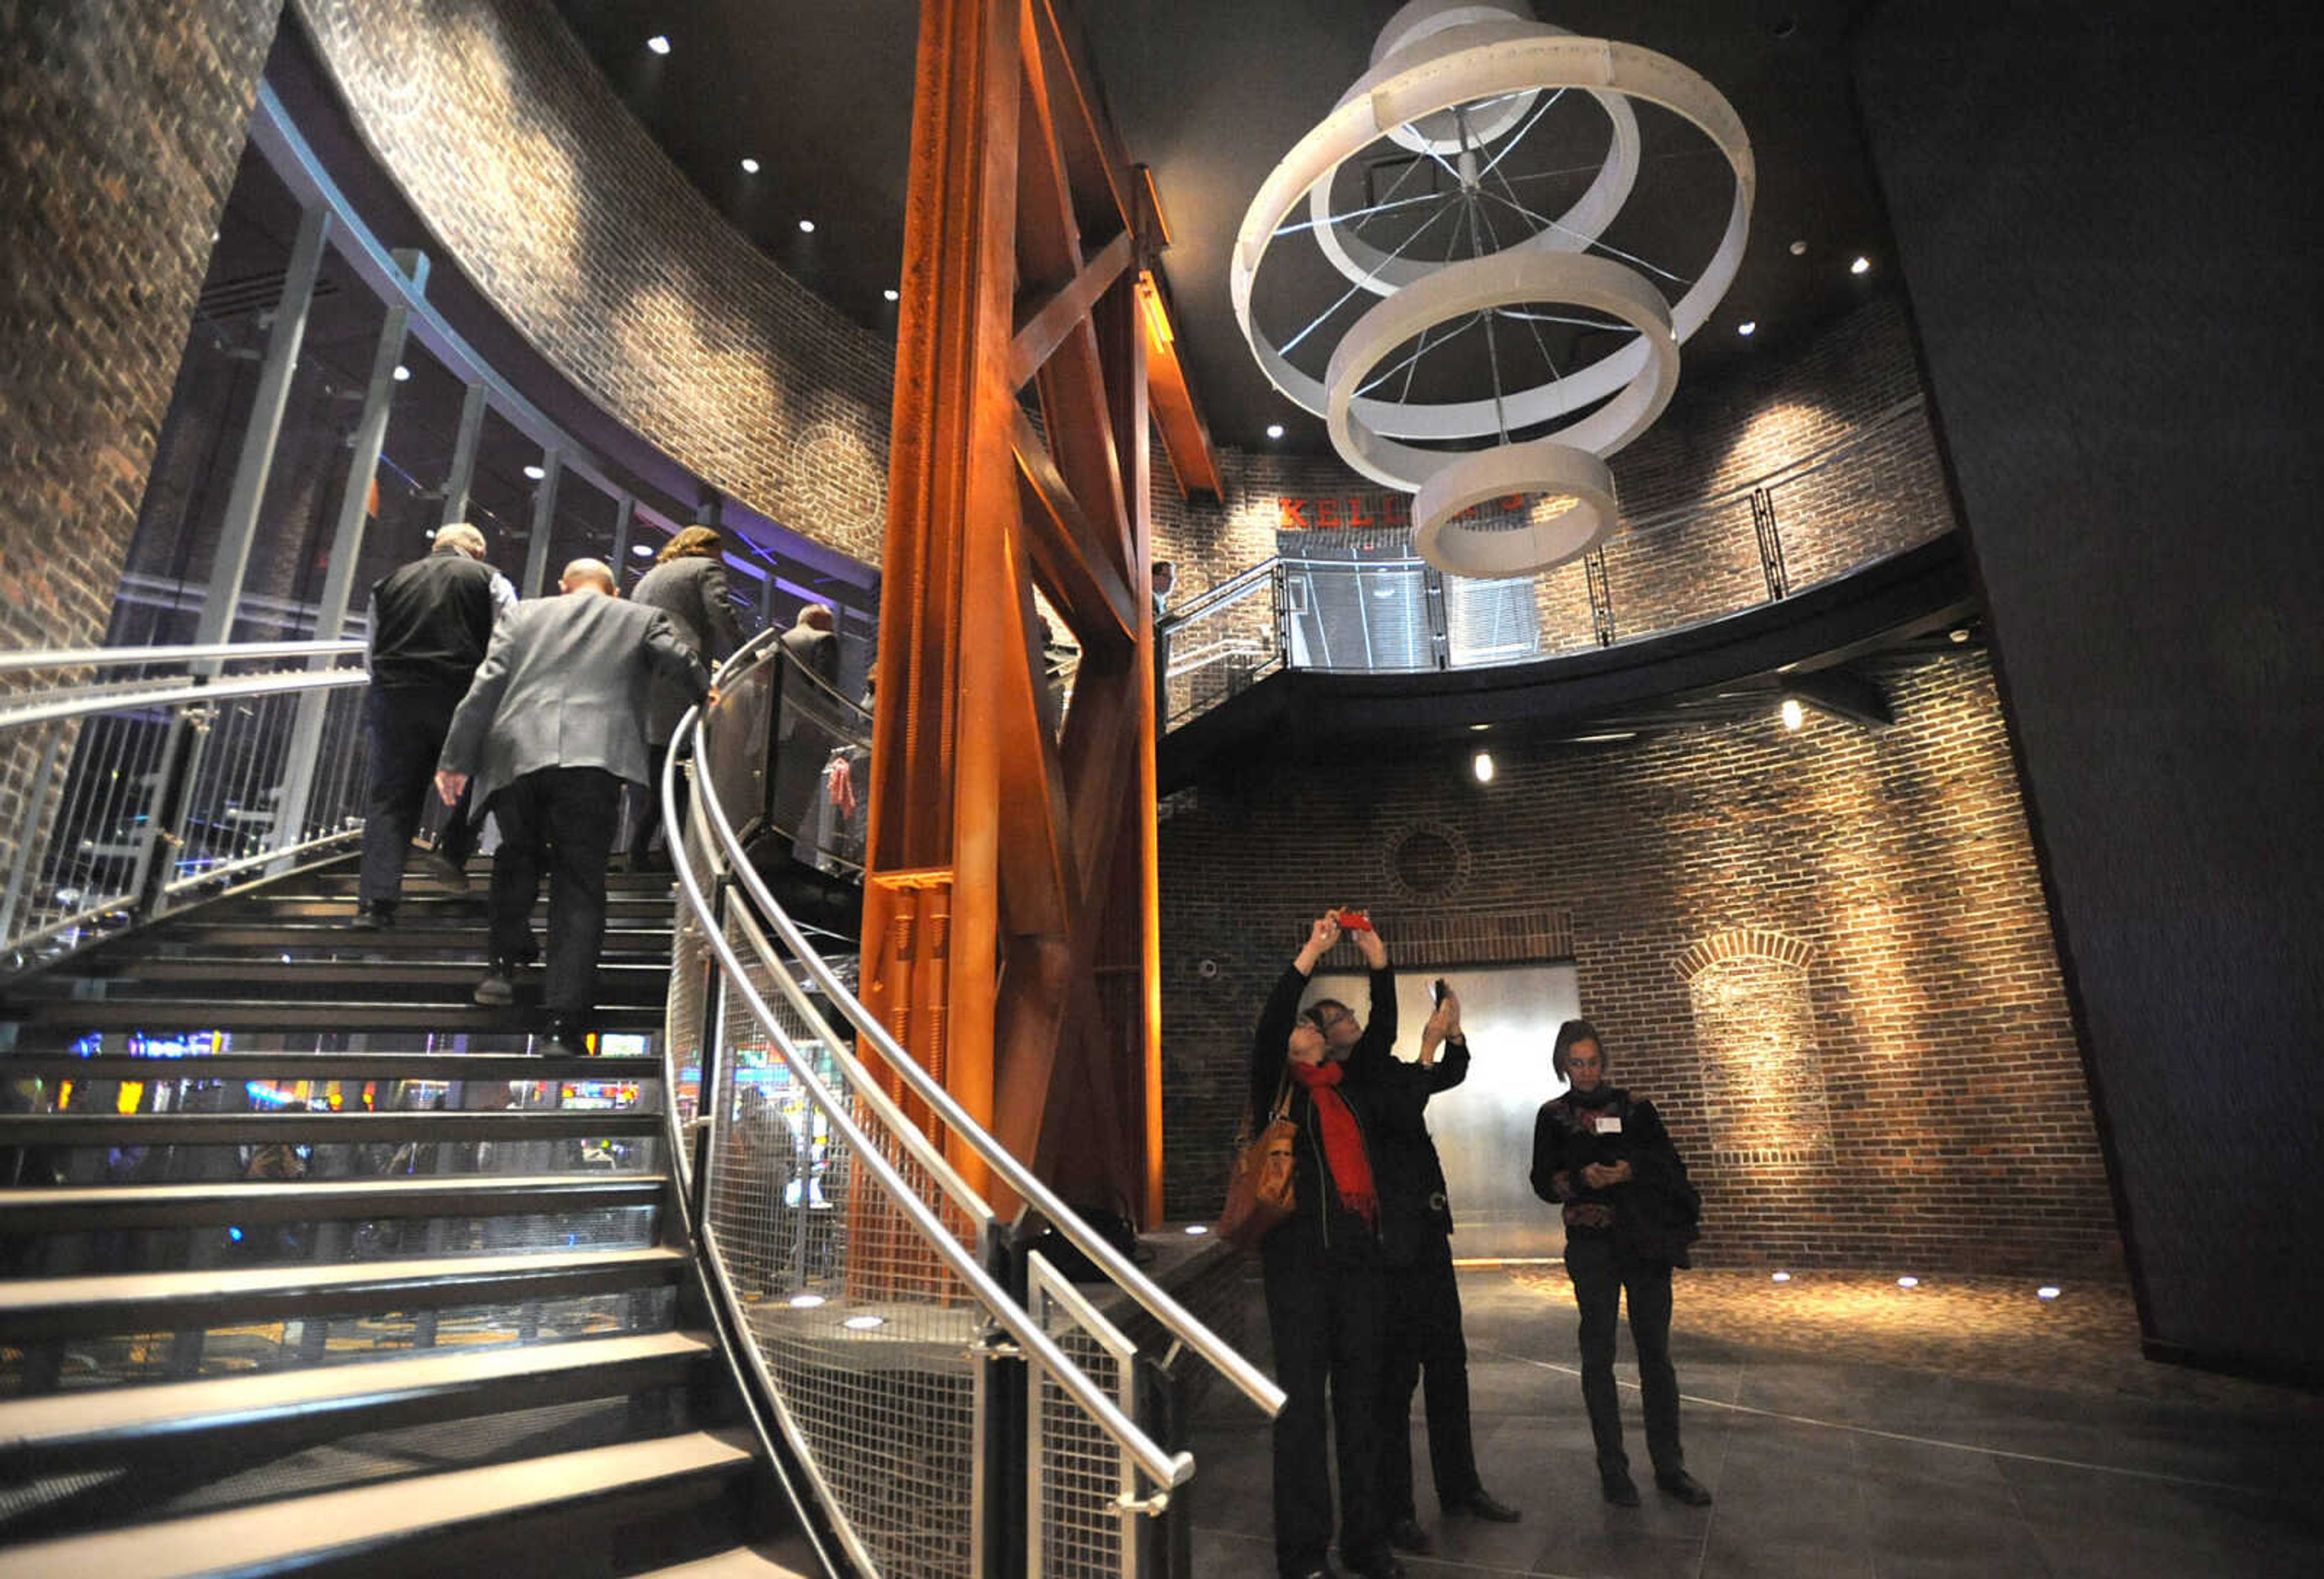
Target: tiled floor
(1825, 1466)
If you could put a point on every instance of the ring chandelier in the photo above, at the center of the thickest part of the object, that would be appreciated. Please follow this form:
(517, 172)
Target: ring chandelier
(1460, 82)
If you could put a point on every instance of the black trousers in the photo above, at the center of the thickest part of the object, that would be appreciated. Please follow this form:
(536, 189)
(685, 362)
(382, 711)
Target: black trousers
(1423, 1340)
(559, 822)
(1325, 1310)
(1601, 1271)
(649, 806)
(406, 729)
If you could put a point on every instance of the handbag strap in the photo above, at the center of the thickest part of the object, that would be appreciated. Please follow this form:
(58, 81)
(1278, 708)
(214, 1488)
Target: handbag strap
(1282, 1098)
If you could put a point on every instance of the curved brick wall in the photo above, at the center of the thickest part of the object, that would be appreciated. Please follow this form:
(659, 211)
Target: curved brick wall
(550, 195)
(1854, 914)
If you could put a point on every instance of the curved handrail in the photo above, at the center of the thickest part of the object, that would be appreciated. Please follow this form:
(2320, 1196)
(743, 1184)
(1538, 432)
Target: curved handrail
(1253, 1382)
(223, 691)
(1166, 1468)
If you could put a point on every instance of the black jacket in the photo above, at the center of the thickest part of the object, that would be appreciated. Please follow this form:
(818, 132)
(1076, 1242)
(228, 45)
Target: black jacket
(430, 622)
(692, 591)
(1416, 1213)
(1319, 1219)
(1655, 1216)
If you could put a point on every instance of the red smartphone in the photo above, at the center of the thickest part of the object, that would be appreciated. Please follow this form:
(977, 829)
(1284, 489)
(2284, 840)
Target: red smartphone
(1355, 922)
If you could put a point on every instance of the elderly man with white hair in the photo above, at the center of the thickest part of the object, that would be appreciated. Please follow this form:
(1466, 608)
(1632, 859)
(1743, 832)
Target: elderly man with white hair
(430, 623)
(552, 727)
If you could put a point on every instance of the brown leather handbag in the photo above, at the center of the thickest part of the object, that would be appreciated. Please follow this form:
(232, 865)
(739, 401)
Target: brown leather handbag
(1263, 1190)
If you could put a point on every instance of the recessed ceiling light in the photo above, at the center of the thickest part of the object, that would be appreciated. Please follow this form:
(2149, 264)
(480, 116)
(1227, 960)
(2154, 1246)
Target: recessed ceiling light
(807, 225)
(658, 44)
(1196, 1230)
(1783, 1278)
(1793, 714)
(1799, 249)
(642, 551)
(1481, 728)
(805, 1301)
(2046, 1291)
(403, 373)
(1275, 429)
(535, 473)
(1862, 265)
(1748, 327)
(1908, 1282)
(1958, 634)
(864, 1324)
(750, 167)
(892, 294)
(1482, 764)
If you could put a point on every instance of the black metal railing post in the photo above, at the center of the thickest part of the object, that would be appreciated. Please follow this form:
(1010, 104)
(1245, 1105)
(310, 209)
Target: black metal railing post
(1771, 544)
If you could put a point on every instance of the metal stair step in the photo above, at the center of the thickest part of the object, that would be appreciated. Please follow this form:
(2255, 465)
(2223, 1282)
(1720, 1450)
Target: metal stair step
(340, 1066)
(629, 942)
(71, 1209)
(179, 976)
(35, 1309)
(367, 1524)
(329, 1129)
(56, 1431)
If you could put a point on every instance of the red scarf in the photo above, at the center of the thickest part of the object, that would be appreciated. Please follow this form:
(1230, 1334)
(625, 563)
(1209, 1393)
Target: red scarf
(1343, 1140)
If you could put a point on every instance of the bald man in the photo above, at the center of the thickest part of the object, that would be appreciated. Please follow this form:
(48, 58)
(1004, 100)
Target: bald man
(552, 725)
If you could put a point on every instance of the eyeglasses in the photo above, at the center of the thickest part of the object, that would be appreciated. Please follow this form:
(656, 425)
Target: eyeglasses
(1325, 1018)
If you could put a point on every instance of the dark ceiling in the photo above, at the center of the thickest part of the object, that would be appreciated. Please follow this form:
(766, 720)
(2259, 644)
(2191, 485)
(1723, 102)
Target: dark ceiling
(1210, 94)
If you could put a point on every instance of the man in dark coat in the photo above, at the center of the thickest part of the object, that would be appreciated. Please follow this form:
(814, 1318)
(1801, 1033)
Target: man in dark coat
(1603, 1156)
(805, 730)
(551, 727)
(429, 622)
(1423, 1334)
(688, 583)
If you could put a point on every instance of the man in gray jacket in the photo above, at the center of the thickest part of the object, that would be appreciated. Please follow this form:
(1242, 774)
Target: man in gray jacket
(552, 725)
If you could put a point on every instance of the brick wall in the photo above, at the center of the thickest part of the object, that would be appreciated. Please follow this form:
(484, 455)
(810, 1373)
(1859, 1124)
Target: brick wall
(548, 194)
(120, 128)
(1866, 899)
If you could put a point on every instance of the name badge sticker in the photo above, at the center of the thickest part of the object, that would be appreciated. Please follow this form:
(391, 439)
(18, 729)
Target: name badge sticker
(1608, 1124)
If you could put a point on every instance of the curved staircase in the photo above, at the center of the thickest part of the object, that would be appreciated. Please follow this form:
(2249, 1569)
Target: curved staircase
(314, 1267)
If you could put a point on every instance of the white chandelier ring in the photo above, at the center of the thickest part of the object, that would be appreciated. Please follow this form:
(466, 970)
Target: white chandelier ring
(1484, 286)
(1420, 21)
(1381, 271)
(1480, 68)
(1541, 466)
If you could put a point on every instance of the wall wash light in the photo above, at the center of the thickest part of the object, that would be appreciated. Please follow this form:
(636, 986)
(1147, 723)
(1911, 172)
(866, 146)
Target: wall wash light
(1463, 84)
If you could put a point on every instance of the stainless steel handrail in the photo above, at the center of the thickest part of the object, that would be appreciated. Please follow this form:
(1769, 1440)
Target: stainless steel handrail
(188, 652)
(223, 691)
(1253, 1382)
(1164, 1467)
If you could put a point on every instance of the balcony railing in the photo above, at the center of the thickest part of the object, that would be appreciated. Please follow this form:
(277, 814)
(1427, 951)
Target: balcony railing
(1361, 601)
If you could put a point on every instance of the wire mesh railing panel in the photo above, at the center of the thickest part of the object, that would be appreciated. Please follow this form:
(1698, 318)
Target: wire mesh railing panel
(88, 818)
(866, 1337)
(1079, 1480)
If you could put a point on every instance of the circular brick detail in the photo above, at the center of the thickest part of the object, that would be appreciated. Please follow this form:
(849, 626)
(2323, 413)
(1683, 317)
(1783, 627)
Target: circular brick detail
(1428, 861)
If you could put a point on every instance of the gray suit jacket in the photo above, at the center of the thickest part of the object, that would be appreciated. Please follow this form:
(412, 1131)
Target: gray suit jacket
(563, 685)
(692, 591)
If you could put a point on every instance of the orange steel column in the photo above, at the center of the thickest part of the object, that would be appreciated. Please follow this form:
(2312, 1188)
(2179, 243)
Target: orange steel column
(952, 495)
(1009, 928)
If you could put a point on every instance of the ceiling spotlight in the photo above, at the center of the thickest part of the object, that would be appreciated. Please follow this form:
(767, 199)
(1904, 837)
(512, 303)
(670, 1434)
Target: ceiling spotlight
(642, 551)
(535, 473)
(1275, 429)
(892, 294)
(750, 167)
(1479, 728)
(2047, 1291)
(1908, 1282)
(1862, 265)
(1196, 1230)
(1799, 249)
(1782, 1278)
(658, 44)
(403, 373)
(1958, 635)
(805, 1301)
(1482, 764)
(1793, 714)
(864, 1324)
(1748, 327)
(807, 226)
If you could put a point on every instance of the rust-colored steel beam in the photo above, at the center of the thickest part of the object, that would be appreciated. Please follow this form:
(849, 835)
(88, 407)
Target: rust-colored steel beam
(1009, 879)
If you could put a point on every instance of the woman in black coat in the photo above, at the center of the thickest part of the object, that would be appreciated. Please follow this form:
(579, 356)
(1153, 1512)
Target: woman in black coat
(1326, 1292)
(687, 582)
